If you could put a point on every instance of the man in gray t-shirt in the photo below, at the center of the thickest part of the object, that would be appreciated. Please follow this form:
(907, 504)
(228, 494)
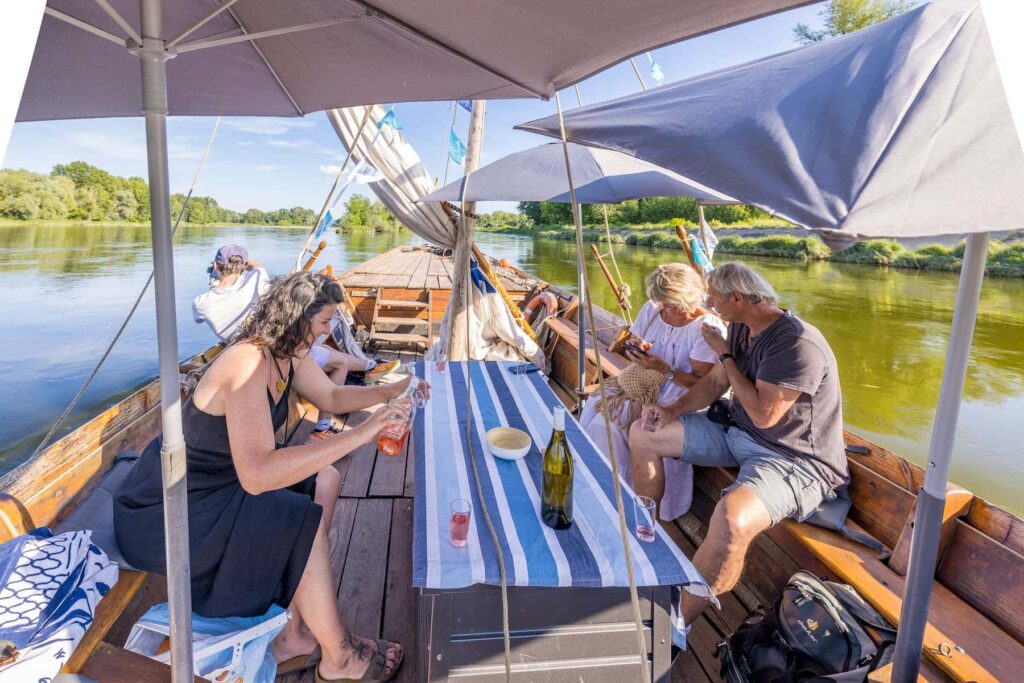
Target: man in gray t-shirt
(783, 427)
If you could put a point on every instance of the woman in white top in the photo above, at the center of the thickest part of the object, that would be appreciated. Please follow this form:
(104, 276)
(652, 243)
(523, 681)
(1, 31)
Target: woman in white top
(671, 323)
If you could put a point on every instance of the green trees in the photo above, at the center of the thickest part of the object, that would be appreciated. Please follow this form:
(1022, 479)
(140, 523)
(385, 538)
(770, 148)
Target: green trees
(636, 212)
(846, 16)
(81, 192)
(361, 213)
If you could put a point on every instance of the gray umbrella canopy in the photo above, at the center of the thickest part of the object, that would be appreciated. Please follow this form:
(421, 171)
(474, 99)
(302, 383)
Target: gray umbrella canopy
(908, 128)
(351, 52)
(600, 176)
(901, 129)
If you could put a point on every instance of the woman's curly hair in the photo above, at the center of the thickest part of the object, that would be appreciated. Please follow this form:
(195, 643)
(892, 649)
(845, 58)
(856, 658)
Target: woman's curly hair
(280, 321)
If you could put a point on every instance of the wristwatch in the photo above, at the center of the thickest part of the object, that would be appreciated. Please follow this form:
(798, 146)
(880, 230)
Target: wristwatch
(670, 374)
(724, 357)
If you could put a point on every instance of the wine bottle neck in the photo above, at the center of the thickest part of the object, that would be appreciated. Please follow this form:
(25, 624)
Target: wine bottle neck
(558, 421)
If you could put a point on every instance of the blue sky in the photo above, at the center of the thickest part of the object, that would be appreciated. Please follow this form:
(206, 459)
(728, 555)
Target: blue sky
(269, 163)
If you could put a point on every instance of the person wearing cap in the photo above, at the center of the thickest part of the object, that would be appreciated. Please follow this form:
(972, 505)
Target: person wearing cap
(237, 283)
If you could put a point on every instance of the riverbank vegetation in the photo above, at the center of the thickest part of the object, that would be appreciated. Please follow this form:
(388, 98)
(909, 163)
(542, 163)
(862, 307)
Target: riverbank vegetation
(80, 192)
(1005, 260)
(363, 214)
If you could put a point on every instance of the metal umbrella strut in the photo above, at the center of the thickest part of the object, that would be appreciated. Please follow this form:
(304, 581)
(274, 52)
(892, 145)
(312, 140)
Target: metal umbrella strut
(939, 100)
(262, 66)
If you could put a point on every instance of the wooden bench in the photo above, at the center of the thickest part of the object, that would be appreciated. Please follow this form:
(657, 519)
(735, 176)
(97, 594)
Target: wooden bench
(961, 642)
(562, 349)
(15, 520)
(986, 652)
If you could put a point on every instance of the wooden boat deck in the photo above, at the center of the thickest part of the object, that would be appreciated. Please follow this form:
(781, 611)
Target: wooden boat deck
(371, 554)
(416, 268)
(371, 544)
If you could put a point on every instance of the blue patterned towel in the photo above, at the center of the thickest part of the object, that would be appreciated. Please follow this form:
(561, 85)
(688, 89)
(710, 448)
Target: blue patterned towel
(49, 588)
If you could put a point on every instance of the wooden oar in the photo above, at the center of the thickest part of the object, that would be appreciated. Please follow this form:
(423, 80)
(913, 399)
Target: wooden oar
(620, 298)
(684, 240)
(319, 248)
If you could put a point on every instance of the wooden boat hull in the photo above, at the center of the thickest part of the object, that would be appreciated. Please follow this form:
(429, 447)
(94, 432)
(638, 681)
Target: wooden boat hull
(980, 575)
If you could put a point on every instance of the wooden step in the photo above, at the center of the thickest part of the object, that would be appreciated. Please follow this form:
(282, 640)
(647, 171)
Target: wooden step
(397, 338)
(396, 303)
(384, 320)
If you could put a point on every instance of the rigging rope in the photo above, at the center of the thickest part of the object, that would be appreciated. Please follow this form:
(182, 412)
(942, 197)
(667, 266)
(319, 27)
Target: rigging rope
(327, 201)
(117, 336)
(467, 298)
(444, 144)
(588, 302)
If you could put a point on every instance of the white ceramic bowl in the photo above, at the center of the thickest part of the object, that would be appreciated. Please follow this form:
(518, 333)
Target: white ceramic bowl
(508, 443)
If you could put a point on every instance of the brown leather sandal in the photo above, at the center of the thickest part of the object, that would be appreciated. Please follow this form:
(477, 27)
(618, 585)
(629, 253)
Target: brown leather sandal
(300, 663)
(374, 671)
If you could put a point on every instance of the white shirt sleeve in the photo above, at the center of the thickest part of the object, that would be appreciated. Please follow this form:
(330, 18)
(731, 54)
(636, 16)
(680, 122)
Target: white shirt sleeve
(197, 314)
(700, 350)
(643, 319)
(264, 281)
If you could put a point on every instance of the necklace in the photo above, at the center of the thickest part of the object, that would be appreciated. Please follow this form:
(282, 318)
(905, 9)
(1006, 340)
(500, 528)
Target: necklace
(281, 382)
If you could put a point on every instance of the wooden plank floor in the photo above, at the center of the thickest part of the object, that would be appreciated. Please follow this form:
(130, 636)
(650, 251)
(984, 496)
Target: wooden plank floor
(371, 545)
(407, 267)
(371, 553)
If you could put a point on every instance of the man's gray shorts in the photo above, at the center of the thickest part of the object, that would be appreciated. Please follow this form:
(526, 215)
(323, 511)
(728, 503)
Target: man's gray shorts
(788, 487)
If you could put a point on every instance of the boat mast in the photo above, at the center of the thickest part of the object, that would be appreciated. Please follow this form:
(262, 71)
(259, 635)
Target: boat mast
(464, 238)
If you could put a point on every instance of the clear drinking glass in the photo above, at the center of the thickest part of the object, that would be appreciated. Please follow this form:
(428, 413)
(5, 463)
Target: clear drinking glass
(458, 530)
(441, 362)
(643, 508)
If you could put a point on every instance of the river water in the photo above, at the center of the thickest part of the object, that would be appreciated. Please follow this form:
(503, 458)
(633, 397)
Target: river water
(65, 290)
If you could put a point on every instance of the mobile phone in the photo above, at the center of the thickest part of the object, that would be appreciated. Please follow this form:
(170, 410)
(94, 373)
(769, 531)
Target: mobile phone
(523, 368)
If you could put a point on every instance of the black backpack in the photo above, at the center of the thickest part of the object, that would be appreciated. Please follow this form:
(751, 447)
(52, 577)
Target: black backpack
(816, 631)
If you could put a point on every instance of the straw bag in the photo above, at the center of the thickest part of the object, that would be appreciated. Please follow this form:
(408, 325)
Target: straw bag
(626, 394)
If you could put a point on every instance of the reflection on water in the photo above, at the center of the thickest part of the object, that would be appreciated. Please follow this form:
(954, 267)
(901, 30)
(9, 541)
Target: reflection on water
(64, 291)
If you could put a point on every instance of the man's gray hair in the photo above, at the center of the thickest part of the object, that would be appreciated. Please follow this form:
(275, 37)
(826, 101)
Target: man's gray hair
(736, 277)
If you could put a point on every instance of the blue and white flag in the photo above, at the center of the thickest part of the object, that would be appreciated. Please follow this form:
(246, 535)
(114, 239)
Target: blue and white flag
(699, 256)
(456, 150)
(365, 174)
(327, 220)
(656, 73)
(49, 588)
(466, 104)
(708, 237)
(390, 119)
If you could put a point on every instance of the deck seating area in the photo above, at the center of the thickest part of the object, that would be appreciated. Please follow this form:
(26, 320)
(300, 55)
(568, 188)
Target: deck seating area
(986, 646)
(371, 553)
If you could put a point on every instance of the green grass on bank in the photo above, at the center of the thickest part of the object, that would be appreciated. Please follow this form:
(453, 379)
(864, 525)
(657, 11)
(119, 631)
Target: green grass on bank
(1003, 260)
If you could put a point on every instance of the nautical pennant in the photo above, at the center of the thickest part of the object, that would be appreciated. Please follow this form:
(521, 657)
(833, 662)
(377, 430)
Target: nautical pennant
(390, 119)
(709, 238)
(699, 257)
(328, 219)
(366, 174)
(466, 104)
(656, 73)
(456, 150)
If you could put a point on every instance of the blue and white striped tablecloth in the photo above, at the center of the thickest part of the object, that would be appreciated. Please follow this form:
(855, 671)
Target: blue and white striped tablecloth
(590, 553)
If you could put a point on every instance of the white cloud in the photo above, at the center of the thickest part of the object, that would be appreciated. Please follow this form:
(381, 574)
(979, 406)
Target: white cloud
(268, 126)
(330, 170)
(264, 168)
(291, 144)
(128, 148)
(245, 143)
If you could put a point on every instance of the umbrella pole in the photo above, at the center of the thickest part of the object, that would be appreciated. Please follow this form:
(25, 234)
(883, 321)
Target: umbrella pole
(154, 57)
(932, 496)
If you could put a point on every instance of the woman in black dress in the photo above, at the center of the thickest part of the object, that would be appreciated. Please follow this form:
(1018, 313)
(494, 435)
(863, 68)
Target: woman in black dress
(257, 534)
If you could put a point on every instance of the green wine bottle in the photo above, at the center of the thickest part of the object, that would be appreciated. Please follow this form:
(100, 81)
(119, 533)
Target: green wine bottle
(556, 501)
